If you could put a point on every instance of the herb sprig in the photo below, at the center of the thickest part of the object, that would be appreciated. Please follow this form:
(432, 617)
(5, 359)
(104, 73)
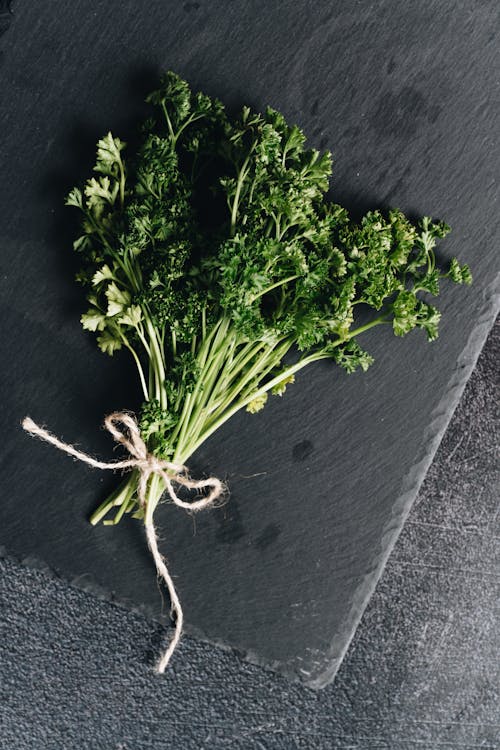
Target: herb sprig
(213, 252)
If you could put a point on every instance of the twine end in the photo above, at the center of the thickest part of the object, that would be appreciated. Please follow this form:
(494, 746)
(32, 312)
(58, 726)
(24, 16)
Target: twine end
(146, 464)
(28, 424)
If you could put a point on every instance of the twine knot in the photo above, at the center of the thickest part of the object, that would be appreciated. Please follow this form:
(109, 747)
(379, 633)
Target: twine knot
(147, 464)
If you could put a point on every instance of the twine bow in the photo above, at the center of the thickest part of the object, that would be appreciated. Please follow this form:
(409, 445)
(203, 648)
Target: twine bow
(147, 464)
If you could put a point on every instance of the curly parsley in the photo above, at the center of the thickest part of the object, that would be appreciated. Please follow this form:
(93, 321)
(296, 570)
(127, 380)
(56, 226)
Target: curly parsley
(212, 252)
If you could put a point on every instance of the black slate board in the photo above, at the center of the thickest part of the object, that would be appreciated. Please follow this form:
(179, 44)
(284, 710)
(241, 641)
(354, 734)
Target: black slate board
(321, 480)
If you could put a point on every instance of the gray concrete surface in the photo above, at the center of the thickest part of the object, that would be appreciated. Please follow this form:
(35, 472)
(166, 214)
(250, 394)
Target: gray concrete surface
(421, 672)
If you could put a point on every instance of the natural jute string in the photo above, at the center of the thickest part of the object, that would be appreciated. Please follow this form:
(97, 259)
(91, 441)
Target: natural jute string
(147, 464)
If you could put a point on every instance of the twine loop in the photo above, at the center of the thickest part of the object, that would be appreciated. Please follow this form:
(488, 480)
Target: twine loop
(147, 464)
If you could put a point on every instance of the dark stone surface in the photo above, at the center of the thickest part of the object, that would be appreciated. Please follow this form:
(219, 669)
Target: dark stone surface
(322, 480)
(422, 671)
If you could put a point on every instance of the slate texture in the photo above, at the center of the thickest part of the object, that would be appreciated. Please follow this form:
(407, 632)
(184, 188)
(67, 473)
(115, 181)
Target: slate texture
(321, 481)
(422, 671)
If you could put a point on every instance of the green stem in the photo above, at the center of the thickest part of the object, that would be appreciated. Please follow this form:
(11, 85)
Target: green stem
(190, 120)
(204, 384)
(213, 384)
(157, 364)
(375, 322)
(241, 179)
(169, 122)
(153, 496)
(222, 374)
(203, 418)
(182, 457)
(186, 448)
(139, 366)
(282, 282)
(122, 183)
(117, 498)
(125, 504)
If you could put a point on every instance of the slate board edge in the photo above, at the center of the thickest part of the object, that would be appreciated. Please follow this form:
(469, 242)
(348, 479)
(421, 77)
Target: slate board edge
(412, 482)
(6, 15)
(401, 508)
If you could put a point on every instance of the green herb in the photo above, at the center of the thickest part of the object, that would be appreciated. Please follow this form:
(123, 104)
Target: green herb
(212, 253)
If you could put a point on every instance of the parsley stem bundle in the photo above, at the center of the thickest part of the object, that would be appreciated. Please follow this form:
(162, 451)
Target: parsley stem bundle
(214, 257)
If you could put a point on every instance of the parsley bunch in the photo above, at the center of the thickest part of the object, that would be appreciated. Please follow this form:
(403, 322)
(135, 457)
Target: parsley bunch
(212, 252)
